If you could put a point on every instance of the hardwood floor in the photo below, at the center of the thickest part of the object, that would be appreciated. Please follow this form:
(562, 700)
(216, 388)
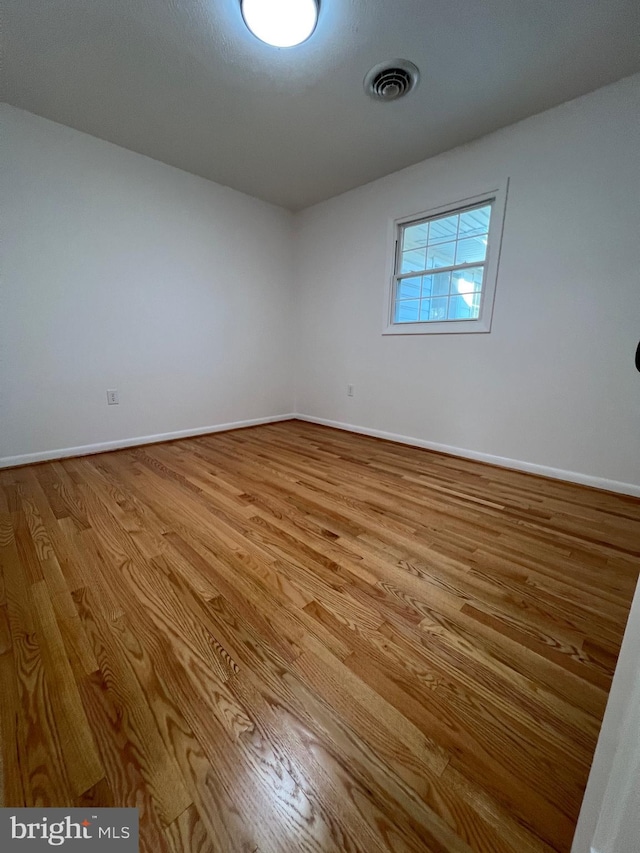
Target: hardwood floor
(290, 638)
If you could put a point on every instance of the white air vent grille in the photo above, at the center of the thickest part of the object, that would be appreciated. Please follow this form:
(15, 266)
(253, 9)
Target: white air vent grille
(391, 80)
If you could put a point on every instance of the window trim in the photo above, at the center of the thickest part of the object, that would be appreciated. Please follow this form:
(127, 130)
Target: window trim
(482, 325)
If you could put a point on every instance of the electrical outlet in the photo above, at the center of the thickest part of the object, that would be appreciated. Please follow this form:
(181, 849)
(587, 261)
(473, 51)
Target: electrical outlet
(113, 398)
(349, 390)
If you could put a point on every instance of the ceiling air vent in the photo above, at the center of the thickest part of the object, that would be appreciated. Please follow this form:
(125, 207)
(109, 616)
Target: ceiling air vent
(391, 80)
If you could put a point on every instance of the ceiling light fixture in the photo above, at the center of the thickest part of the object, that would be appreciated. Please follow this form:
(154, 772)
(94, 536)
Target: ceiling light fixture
(281, 23)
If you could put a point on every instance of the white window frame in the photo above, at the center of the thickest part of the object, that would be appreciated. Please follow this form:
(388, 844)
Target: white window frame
(497, 196)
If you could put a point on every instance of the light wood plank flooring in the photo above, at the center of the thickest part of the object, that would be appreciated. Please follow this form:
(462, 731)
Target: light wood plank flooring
(290, 638)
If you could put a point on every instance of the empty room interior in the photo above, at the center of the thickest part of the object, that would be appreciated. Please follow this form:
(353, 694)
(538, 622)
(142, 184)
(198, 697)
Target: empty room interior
(320, 426)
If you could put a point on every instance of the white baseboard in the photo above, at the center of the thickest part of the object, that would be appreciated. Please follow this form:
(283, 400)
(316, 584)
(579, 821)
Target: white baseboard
(88, 449)
(502, 461)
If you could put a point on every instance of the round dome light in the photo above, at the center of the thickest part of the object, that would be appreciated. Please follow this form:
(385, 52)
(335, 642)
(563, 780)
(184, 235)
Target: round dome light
(281, 23)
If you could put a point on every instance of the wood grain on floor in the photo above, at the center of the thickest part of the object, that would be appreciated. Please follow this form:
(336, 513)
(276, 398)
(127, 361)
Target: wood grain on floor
(291, 638)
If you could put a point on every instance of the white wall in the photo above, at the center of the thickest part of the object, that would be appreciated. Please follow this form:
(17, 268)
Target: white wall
(610, 816)
(121, 272)
(553, 384)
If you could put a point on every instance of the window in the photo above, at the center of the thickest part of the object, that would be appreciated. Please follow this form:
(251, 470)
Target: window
(445, 265)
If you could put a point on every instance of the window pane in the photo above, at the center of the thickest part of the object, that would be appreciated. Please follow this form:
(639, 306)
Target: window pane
(440, 255)
(439, 284)
(465, 307)
(466, 287)
(408, 311)
(408, 288)
(467, 281)
(415, 236)
(441, 230)
(470, 250)
(436, 284)
(413, 260)
(434, 309)
(475, 222)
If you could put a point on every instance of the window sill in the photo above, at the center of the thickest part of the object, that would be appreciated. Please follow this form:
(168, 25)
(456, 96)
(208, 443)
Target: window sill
(449, 327)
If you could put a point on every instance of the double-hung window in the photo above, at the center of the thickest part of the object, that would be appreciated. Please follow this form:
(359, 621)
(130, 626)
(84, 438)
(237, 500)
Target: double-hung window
(445, 265)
